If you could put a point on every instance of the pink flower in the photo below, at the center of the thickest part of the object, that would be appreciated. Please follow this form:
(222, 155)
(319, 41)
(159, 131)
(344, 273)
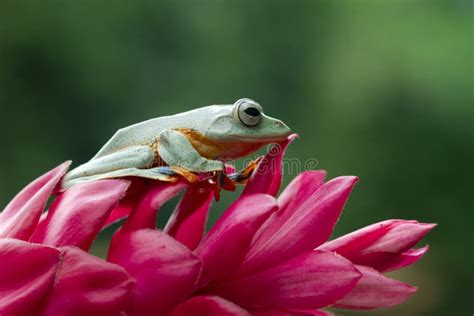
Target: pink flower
(45, 267)
(266, 255)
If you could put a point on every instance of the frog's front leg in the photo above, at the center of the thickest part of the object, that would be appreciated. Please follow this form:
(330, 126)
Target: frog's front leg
(243, 175)
(176, 150)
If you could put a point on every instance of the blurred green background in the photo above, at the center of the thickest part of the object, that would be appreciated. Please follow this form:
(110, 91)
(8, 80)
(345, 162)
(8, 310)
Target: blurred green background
(382, 90)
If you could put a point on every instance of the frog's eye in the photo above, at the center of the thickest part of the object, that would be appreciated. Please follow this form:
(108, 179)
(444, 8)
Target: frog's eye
(248, 112)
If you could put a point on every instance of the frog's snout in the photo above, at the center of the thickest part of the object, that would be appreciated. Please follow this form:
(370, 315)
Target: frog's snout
(282, 128)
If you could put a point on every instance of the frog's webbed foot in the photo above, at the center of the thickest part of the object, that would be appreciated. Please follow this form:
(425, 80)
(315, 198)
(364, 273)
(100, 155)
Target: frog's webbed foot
(218, 179)
(222, 181)
(229, 182)
(243, 175)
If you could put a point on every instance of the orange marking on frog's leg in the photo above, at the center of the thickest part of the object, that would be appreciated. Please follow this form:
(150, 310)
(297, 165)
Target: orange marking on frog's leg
(158, 162)
(243, 175)
(188, 175)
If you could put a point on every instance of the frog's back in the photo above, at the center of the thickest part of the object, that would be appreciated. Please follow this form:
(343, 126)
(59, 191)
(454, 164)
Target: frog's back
(145, 133)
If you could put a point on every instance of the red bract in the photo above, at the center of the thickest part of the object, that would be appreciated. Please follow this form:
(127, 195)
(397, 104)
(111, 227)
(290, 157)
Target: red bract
(41, 273)
(266, 255)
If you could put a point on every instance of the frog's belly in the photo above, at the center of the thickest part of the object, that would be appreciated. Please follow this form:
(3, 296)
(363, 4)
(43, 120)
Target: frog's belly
(212, 149)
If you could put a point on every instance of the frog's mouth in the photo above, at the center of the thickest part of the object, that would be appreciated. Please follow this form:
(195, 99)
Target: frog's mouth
(270, 130)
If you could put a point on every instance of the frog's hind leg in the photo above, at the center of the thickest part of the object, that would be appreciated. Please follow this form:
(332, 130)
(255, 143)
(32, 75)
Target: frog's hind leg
(188, 175)
(126, 162)
(159, 173)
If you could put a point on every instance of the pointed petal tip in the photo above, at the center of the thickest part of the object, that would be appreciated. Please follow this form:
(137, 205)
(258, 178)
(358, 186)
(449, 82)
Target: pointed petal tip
(320, 172)
(346, 180)
(357, 274)
(429, 226)
(415, 254)
(405, 259)
(61, 170)
(419, 226)
(375, 290)
(353, 179)
(412, 289)
(422, 228)
(320, 209)
(421, 250)
(66, 164)
(77, 215)
(293, 136)
(21, 215)
(410, 221)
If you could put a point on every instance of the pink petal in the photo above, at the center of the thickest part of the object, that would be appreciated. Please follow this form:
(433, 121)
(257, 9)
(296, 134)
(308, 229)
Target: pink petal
(42, 222)
(402, 236)
(309, 281)
(26, 276)
(277, 312)
(226, 244)
(295, 194)
(323, 313)
(134, 194)
(388, 261)
(87, 285)
(374, 290)
(310, 225)
(209, 306)
(403, 259)
(301, 188)
(188, 222)
(384, 246)
(165, 270)
(122, 210)
(18, 220)
(78, 214)
(229, 168)
(156, 194)
(267, 177)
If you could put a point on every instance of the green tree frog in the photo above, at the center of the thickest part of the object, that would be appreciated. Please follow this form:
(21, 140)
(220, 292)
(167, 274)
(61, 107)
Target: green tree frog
(186, 144)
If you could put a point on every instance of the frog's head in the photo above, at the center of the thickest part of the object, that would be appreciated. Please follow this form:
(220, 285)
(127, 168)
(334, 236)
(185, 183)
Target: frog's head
(244, 121)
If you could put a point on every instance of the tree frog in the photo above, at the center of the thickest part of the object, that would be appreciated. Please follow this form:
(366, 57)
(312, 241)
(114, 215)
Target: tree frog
(185, 144)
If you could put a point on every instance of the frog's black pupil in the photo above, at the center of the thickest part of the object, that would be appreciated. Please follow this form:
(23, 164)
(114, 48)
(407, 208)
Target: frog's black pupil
(252, 111)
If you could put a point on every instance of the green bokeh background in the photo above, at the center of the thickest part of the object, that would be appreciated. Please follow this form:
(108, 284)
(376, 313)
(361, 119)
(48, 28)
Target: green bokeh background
(379, 89)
